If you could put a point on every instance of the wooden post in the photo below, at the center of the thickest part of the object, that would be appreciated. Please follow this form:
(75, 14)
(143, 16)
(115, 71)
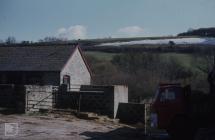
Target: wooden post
(26, 100)
(79, 103)
(145, 118)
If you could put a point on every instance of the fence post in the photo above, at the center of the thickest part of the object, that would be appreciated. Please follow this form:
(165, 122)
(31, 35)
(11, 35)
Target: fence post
(79, 103)
(26, 100)
(147, 116)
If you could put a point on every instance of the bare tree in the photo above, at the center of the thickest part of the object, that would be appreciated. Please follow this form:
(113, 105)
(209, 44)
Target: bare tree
(51, 39)
(1, 41)
(10, 40)
(25, 42)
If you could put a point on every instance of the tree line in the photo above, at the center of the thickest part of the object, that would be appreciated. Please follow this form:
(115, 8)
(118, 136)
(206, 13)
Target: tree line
(202, 32)
(142, 72)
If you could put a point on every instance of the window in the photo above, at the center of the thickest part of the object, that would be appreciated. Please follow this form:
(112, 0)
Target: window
(167, 95)
(66, 80)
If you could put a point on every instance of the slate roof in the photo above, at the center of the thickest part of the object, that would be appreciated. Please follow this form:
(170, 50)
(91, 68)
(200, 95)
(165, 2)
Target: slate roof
(34, 58)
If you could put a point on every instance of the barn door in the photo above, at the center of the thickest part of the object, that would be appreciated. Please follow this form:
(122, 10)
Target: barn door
(12, 97)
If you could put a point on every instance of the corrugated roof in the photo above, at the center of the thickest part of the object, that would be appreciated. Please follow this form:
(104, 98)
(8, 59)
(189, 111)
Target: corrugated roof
(37, 58)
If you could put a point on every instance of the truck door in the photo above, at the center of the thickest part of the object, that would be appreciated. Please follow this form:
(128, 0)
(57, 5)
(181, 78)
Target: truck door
(169, 103)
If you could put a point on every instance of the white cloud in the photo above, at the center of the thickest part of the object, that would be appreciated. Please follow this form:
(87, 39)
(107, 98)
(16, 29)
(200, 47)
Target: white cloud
(61, 31)
(130, 31)
(73, 32)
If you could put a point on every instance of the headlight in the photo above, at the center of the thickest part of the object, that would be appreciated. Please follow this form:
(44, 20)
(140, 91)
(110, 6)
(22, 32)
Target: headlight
(154, 120)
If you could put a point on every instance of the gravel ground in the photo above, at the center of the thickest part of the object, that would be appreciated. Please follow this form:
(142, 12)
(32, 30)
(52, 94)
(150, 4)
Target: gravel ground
(53, 127)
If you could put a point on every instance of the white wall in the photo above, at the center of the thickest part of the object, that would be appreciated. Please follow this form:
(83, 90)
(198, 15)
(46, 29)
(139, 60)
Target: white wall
(77, 70)
(120, 96)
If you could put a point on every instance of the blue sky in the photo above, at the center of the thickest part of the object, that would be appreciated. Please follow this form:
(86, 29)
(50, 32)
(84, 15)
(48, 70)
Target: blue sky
(73, 19)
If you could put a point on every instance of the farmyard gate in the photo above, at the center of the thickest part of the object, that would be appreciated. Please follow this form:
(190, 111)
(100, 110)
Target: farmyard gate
(40, 97)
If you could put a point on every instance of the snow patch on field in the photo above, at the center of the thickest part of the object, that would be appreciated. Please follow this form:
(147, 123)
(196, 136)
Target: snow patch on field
(210, 41)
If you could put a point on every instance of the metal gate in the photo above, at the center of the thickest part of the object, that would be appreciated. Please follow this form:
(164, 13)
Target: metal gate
(67, 100)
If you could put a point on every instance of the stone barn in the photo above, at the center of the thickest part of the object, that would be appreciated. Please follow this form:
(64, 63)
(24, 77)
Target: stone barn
(43, 65)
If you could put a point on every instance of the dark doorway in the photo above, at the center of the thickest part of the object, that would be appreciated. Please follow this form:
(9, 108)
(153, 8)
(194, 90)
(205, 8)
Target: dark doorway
(12, 98)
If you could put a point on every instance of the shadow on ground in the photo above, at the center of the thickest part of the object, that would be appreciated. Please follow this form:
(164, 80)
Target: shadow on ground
(124, 133)
(10, 111)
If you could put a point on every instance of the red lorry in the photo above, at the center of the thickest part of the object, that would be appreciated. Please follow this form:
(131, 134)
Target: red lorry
(182, 112)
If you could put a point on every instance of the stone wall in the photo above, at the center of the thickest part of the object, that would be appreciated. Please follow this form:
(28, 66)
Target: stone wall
(131, 112)
(39, 97)
(102, 100)
(101, 103)
(66, 100)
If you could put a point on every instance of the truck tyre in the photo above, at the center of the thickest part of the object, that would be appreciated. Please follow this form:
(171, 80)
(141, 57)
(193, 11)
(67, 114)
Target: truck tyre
(181, 128)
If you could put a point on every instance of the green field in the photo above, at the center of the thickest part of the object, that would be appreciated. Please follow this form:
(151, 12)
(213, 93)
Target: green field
(101, 55)
(184, 59)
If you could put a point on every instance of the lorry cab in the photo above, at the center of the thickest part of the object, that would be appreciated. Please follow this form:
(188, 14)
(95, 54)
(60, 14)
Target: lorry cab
(181, 113)
(169, 100)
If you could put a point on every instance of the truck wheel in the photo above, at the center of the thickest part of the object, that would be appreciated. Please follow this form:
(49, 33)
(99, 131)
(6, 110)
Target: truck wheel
(181, 128)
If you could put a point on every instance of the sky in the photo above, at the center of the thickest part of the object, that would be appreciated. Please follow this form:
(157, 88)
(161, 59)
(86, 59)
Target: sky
(86, 19)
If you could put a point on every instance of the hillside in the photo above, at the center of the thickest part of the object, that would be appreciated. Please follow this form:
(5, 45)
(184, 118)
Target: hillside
(202, 32)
